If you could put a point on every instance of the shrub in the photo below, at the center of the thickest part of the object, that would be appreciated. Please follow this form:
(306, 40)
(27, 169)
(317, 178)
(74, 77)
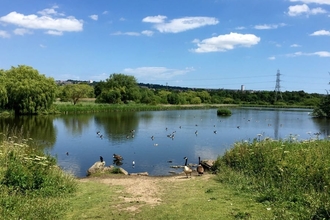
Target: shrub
(223, 112)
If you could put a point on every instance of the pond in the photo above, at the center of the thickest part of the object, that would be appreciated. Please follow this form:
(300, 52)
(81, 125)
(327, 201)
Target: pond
(157, 140)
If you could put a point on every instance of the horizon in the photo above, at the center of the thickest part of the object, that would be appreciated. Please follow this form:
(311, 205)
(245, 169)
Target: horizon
(196, 44)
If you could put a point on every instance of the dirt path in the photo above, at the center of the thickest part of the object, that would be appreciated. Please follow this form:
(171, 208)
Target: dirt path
(138, 190)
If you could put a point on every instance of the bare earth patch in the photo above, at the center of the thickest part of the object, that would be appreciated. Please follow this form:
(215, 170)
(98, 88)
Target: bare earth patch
(139, 190)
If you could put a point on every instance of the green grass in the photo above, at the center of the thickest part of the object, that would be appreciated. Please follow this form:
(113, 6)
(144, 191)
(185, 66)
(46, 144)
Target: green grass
(292, 177)
(31, 184)
(196, 198)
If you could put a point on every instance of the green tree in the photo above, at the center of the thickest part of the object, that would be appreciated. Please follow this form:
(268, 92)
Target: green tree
(126, 85)
(28, 91)
(3, 91)
(75, 92)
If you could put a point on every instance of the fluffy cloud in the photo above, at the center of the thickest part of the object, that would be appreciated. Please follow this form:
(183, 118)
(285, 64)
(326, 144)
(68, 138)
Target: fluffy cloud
(225, 42)
(179, 24)
(321, 33)
(321, 2)
(94, 17)
(47, 21)
(304, 9)
(156, 73)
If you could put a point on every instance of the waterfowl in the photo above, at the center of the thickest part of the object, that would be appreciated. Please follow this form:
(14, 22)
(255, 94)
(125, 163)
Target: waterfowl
(187, 170)
(200, 168)
(101, 159)
(117, 157)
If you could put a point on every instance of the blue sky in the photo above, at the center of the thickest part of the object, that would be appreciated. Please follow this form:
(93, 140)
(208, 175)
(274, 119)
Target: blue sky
(189, 43)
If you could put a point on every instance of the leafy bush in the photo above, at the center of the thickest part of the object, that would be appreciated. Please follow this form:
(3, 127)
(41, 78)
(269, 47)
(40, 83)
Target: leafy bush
(223, 112)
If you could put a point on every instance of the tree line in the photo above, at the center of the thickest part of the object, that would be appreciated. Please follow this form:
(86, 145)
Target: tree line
(25, 91)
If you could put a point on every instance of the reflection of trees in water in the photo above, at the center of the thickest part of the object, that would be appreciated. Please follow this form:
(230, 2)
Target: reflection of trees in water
(75, 124)
(324, 126)
(117, 125)
(39, 128)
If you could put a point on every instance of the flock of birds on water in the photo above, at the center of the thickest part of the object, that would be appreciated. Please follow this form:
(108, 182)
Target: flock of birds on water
(118, 159)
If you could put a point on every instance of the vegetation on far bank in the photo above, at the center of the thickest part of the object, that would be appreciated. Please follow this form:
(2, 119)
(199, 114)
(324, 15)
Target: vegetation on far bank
(24, 91)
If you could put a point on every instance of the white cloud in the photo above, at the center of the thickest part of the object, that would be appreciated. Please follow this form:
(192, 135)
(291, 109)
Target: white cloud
(94, 17)
(226, 42)
(147, 33)
(297, 10)
(52, 32)
(42, 46)
(179, 24)
(240, 28)
(156, 73)
(46, 21)
(105, 12)
(321, 2)
(271, 58)
(269, 26)
(321, 33)
(318, 53)
(22, 31)
(4, 34)
(295, 45)
(155, 19)
(126, 33)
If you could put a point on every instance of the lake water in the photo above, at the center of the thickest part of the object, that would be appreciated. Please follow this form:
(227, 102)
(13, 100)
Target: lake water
(157, 140)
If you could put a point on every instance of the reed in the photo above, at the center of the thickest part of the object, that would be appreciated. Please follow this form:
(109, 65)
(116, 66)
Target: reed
(290, 176)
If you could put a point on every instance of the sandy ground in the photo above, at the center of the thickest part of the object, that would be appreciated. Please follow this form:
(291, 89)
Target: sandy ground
(138, 190)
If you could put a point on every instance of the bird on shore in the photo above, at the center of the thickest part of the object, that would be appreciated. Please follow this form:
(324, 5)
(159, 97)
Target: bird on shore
(117, 157)
(200, 168)
(187, 170)
(101, 159)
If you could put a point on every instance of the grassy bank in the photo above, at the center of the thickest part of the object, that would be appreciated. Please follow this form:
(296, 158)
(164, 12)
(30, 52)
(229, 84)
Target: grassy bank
(31, 184)
(291, 177)
(90, 107)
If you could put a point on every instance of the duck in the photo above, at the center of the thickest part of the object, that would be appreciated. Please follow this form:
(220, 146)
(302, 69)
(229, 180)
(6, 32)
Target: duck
(200, 168)
(187, 170)
(117, 157)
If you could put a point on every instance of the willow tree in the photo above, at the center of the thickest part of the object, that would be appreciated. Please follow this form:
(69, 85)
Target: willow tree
(28, 91)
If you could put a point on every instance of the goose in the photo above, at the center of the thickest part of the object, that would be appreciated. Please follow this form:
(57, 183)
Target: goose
(187, 170)
(200, 168)
(117, 157)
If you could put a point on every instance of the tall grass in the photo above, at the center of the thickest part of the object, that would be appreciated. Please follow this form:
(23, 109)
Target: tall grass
(89, 107)
(31, 185)
(291, 176)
